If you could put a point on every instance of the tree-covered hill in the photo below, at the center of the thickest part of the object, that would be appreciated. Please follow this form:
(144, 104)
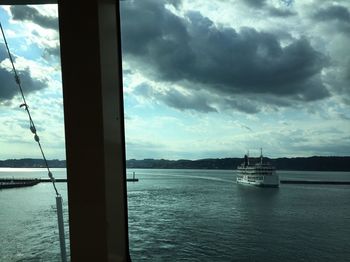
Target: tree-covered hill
(31, 163)
(315, 163)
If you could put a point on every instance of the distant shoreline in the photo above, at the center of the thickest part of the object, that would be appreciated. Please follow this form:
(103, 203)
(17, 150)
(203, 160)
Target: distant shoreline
(314, 163)
(32, 163)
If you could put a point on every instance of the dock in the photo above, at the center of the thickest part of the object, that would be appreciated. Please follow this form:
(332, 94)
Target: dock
(15, 183)
(60, 180)
(315, 182)
(27, 182)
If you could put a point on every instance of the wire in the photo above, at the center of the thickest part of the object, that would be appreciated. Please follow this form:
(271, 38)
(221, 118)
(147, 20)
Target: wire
(25, 105)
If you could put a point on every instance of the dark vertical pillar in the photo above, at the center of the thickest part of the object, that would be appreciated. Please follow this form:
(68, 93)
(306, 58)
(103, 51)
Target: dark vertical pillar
(92, 91)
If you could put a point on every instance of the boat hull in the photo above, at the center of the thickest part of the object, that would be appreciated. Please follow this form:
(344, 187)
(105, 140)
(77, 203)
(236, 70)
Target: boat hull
(259, 181)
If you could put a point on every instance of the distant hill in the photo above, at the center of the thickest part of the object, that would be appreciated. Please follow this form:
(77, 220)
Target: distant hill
(314, 163)
(32, 163)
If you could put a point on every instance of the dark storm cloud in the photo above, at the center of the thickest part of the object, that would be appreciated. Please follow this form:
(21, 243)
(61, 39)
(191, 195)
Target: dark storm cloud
(338, 16)
(8, 86)
(280, 12)
(219, 59)
(338, 12)
(174, 98)
(242, 106)
(161, 32)
(3, 52)
(255, 3)
(51, 51)
(269, 9)
(251, 62)
(26, 13)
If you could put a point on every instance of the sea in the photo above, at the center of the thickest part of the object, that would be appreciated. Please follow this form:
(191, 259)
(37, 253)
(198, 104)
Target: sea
(193, 215)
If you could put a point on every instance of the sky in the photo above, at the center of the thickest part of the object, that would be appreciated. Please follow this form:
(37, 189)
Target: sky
(202, 79)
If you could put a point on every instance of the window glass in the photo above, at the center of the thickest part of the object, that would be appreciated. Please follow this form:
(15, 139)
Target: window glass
(28, 227)
(207, 81)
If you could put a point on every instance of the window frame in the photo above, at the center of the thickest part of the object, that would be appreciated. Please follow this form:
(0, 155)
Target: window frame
(95, 138)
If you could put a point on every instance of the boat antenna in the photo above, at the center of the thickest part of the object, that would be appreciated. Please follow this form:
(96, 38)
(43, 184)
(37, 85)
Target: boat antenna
(37, 139)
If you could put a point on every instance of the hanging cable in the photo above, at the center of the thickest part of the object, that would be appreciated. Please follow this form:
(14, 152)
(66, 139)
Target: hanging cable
(25, 105)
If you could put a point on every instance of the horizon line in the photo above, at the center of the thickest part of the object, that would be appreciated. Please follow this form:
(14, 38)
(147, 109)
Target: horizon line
(139, 159)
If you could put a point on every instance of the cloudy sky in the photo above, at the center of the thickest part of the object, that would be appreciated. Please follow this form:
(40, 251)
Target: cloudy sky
(201, 78)
(32, 35)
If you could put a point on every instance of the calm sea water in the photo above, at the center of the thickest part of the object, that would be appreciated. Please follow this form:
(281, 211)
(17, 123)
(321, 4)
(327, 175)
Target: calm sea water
(194, 215)
(28, 219)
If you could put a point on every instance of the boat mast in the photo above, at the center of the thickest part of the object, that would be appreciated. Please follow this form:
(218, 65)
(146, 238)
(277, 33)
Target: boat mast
(261, 156)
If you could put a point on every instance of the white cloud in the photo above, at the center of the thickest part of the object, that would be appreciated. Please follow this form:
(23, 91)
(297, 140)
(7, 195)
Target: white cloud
(28, 42)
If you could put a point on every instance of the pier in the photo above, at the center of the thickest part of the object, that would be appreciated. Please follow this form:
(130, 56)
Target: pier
(27, 182)
(14, 183)
(315, 182)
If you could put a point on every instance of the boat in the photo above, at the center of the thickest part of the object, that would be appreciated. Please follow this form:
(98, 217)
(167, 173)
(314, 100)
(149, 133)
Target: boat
(257, 174)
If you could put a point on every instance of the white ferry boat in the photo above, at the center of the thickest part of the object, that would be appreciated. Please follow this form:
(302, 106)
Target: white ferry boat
(258, 174)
